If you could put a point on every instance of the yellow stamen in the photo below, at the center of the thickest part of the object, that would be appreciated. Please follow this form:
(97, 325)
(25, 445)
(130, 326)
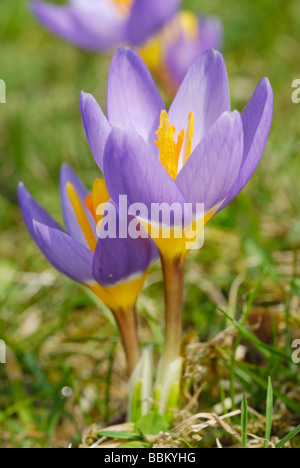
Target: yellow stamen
(189, 138)
(81, 217)
(179, 144)
(99, 196)
(169, 151)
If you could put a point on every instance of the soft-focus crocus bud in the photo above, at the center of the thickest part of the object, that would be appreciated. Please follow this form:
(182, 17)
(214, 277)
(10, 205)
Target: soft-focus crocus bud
(174, 49)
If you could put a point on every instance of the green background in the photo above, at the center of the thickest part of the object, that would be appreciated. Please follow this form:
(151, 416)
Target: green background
(55, 332)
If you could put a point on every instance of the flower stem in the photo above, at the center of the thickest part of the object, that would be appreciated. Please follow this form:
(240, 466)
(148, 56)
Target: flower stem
(173, 271)
(127, 323)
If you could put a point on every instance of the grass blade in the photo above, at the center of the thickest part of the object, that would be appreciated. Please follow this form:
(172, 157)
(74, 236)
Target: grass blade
(293, 405)
(119, 435)
(260, 345)
(288, 437)
(269, 412)
(244, 422)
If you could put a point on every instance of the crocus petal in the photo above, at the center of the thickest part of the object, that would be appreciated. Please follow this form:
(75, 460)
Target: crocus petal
(120, 259)
(64, 253)
(131, 169)
(213, 167)
(148, 16)
(94, 25)
(205, 92)
(132, 96)
(96, 126)
(257, 120)
(68, 175)
(31, 210)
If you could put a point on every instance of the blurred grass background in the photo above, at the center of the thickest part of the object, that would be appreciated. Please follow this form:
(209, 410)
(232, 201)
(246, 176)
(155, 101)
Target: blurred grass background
(57, 336)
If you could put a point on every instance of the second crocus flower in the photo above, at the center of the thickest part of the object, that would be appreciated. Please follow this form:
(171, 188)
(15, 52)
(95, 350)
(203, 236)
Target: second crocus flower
(113, 268)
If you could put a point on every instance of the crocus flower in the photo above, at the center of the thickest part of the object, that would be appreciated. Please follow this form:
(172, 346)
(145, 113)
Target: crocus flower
(113, 268)
(200, 152)
(168, 42)
(99, 25)
(174, 49)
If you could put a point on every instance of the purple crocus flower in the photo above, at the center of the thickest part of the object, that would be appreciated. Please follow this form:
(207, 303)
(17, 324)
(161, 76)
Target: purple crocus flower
(184, 39)
(113, 268)
(200, 152)
(99, 25)
(207, 152)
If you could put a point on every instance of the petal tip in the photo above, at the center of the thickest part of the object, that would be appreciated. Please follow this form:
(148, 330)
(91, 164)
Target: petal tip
(84, 97)
(21, 186)
(65, 169)
(88, 104)
(126, 53)
(22, 193)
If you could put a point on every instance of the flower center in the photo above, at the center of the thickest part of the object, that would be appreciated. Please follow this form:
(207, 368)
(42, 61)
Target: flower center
(170, 150)
(93, 200)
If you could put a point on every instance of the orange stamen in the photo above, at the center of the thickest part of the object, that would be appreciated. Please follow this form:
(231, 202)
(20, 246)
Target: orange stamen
(89, 203)
(82, 217)
(99, 196)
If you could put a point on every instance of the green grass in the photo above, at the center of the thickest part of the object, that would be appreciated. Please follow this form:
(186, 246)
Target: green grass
(244, 422)
(57, 336)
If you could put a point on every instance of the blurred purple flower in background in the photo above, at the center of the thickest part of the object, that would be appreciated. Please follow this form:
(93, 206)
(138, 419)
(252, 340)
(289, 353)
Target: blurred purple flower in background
(168, 40)
(187, 37)
(100, 25)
